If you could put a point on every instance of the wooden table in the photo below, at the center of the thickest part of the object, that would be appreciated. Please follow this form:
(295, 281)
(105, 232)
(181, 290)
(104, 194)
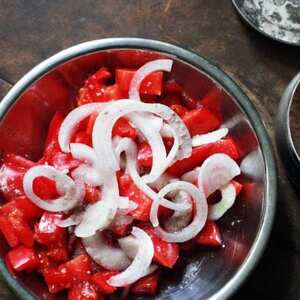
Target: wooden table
(32, 30)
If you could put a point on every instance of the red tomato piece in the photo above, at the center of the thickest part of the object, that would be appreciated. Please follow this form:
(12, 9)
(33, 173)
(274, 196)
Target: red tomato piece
(11, 175)
(209, 235)
(226, 146)
(123, 128)
(171, 99)
(8, 232)
(83, 138)
(28, 208)
(188, 101)
(144, 156)
(100, 279)
(90, 124)
(147, 285)
(53, 129)
(113, 92)
(212, 101)
(179, 109)
(92, 194)
(130, 190)
(172, 86)
(165, 253)
(22, 258)
(45, 188)
(199, 154)
(200, 121)
(151, 85)
(121, 230)
(83, 291)
(47, 232)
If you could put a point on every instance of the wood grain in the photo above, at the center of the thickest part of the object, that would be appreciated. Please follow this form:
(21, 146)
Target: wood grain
(31, 31)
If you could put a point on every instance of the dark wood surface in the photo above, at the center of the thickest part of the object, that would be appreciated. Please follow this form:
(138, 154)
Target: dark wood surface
(32, 30)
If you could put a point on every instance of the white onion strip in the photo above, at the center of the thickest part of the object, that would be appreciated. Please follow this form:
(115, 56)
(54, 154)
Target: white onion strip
(144, 71)
(211, 137)
(102, 134)
(101, 252)
(140, 264)
(216, 171)
(72, 121)
(73, 192)
(216, 211)
(200, 216)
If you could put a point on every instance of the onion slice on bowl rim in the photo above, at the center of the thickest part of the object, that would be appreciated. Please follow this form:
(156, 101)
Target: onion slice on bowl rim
(201, 211)
(140, 264)
(216, 211)
(216, 171)
(73, 191)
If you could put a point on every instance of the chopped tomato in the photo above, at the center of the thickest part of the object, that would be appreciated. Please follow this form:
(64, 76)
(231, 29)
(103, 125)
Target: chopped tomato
(45, 188)
(179, 109)
(146, 285)
(212, 101)
(171, 99)
(8, 232)
(83, 138)
(209, 235)
(188, 101)
(144, 156)
(200, 121)
(199, 154)
(130, 190)
(11, 175)
(113, 92)
(152, 84)
(83, 291)
(226, 146)
(165, 253)
(123, 128)
(172, 86)
(121, 230)
(92, 194)
(22, 258)
(100, 279)
(47, 232)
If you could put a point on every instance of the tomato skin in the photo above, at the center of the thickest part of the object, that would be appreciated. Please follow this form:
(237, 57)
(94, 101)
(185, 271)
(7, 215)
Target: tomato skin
(172, 87)
(144, 156)
(180, 110)
(151, 85)
(200, 121)
(22, 258)
(147, 285)
(165, 253)
(130, 190)
(11, 175)
(199, 154)
(92, 194)
(100, 279)
(226, 146)
(123, 128)
(47, 232)
(83, 291)
(209, 235)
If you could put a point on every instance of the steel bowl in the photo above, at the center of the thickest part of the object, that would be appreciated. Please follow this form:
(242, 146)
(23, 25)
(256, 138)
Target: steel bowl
(25, 113)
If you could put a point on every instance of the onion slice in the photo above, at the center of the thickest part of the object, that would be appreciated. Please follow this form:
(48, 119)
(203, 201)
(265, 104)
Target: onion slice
(141, 262)
(73, 191)
(88, 175)
(144, 71)
(200, 216)
(111, 258)
(216, 211)
(211, 137)
(72, 121)
(216, 171)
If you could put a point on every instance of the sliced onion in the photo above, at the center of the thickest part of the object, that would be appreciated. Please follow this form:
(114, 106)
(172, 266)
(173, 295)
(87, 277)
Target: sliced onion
(101, 252)
(144, 71)
(130, 245)
(72, 121)
(180, 219)
(88, 175)
(129, 147)
(216, 171)
(70, 221)
(211, 137)
(102, 134)
(200, 216)
(83, 152)
(73, 192)
(141, 262)
(216, 211)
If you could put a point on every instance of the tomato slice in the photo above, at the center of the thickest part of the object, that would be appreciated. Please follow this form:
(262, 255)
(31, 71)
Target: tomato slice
(22, 258)
(151, 85)
(100, 279)
(209, 235)
(226, 146)
(84, 291)
(144, 156)
(147, 285)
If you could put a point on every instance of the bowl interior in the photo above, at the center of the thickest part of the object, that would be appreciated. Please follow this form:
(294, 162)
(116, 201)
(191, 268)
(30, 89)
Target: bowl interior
(204, 271)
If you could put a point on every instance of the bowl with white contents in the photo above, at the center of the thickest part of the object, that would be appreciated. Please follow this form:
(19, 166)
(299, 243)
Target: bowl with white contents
(131, 169)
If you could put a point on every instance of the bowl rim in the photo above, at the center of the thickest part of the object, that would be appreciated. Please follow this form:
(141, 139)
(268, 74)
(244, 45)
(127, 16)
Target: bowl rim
(268, 211)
